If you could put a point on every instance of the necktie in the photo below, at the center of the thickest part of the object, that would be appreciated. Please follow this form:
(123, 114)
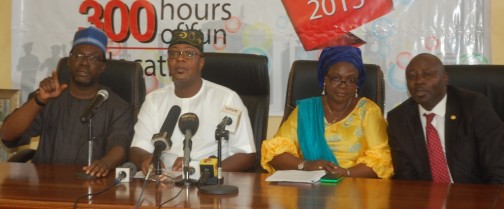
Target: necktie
(437, 159)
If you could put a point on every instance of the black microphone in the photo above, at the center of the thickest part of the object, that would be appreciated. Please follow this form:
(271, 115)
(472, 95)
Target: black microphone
(216, 187)
(100, 97)
(225, 121)
(162, 140)
(159, 146)
(170, 122)
(188, 124)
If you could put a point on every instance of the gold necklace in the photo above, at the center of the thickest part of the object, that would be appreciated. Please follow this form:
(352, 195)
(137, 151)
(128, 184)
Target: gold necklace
(341, 114)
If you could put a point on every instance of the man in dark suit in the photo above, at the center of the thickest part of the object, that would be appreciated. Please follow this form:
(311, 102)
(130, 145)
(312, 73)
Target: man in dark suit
(469, 132)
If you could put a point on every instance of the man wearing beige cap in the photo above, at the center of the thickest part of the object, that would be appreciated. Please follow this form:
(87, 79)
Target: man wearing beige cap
(193, 95)
(53, 112)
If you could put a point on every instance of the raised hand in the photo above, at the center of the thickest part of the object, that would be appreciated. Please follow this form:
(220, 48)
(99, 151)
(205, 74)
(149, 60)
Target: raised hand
(50, 88)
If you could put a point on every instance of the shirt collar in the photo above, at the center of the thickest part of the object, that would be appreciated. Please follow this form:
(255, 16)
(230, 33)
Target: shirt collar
(439, 109)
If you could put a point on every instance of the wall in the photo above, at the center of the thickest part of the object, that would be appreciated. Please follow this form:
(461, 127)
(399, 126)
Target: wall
(497, 32)
(497, 37)
(5, 56)
(274, 122)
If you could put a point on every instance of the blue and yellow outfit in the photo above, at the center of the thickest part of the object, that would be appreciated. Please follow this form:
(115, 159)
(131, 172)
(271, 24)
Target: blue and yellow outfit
(361, 137)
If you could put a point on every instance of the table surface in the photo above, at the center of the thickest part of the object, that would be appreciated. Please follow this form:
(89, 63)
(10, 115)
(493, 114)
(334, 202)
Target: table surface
(26, 185)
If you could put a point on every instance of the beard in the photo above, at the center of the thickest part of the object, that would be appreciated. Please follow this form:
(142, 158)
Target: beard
(84, 83)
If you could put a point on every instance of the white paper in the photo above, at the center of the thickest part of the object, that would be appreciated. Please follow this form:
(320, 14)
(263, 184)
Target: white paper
(296, 176)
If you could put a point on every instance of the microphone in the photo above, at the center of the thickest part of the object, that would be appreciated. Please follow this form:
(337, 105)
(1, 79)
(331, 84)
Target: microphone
(125, 172)
(231, 118)
(225, 121)
(100, 97)
(162, 140)
(170, 122)
(188, 124)
(159, 146)
(218, 188)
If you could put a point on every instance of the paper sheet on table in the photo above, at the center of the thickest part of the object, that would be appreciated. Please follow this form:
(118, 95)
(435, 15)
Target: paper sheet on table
(296, 176)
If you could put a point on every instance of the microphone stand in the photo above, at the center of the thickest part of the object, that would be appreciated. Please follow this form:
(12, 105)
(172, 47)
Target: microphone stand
(220, 133)
(90, 141)
(186, 169)
(83, 175)
(219, 188)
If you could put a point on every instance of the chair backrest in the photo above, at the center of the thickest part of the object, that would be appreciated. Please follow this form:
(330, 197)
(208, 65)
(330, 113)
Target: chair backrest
(123, 77)
(303, 83)
(485, 79)
(247, 75)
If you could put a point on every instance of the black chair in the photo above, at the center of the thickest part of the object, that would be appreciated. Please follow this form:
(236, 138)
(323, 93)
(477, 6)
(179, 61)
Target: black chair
(303, 83)
(247, 75)
(485, 79)
(123, 77)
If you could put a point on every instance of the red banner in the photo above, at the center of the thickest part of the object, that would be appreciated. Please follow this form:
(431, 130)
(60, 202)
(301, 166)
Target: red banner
(322, 23)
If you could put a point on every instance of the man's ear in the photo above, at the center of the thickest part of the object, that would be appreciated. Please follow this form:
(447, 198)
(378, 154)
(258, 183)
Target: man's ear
(103, 68)
(201, 63)
(69, 58)
(445, 78)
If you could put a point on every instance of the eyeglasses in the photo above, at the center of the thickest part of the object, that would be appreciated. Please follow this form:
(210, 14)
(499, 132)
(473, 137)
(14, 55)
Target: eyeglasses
(79, 57)
(185, 54)
(336, 81)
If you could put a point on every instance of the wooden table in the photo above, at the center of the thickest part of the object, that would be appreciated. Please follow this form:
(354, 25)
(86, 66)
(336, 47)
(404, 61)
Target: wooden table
(25, 185)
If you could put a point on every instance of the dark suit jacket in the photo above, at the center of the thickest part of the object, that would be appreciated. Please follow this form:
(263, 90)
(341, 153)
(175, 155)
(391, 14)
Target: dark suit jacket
(474, 140)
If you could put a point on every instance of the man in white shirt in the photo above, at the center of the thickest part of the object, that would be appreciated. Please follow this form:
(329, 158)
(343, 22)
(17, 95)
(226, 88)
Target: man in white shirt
(193, 95)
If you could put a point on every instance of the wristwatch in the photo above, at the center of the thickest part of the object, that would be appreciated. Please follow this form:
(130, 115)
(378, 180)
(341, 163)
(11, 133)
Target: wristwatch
(37, 100)
(301, 165)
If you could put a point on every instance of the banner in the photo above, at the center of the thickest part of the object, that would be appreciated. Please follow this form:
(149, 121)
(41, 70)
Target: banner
(140, 30)
(320, 24)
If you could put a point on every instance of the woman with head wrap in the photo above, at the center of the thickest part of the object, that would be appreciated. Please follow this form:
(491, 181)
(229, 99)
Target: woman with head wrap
(338, 132)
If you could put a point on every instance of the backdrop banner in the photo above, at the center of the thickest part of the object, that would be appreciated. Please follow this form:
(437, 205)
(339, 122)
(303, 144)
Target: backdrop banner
(389, 32)
(320, 24)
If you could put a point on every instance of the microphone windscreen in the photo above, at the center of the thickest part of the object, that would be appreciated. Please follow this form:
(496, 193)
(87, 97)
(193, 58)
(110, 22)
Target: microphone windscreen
(188, 121)
(101, 96)
(104, 93)
(229, 121)
(160, 145)
(171, 121)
